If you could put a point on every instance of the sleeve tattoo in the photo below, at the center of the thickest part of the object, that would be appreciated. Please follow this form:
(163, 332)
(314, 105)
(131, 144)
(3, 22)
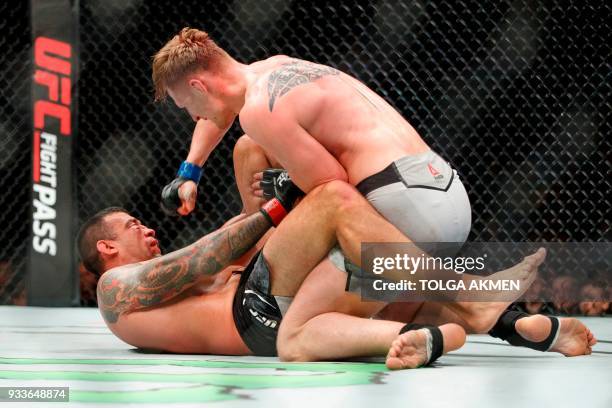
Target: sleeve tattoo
(139, 286)
(293, 74)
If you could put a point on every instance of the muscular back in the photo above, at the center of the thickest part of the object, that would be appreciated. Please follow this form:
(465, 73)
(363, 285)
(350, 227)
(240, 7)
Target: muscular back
(308, 114)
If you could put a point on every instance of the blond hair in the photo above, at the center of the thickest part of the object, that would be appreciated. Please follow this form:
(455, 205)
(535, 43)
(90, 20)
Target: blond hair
(188, 51)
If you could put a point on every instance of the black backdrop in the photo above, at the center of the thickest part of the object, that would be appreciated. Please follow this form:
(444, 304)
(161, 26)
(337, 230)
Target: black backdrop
(516, 94)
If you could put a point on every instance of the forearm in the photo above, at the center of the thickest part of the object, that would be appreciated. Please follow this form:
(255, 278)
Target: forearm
(234, 220)
(206, 136)
(157, 281)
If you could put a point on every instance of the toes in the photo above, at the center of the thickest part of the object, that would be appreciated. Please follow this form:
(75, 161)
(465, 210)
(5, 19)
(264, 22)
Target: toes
(529, 260)
(401, 341)
(528, 263)
(393, 364)
(396, 349)
(536, 258)
(540, 256)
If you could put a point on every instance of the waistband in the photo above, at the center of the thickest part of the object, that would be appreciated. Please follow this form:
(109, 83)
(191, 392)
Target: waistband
(388, 175)
(393, 174)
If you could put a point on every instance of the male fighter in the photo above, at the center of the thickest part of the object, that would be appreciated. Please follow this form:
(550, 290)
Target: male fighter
(189, 301)
(320, 125)
(181, 302)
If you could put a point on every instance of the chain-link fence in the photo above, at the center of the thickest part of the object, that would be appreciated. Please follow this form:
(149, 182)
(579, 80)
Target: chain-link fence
(515, 94)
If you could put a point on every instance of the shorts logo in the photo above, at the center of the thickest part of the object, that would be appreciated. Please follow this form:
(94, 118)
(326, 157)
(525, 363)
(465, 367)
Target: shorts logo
(263, 320)
(435, 173)
(271, 323)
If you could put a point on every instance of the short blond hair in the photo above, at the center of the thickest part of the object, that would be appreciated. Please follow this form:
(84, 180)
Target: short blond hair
(188, 51)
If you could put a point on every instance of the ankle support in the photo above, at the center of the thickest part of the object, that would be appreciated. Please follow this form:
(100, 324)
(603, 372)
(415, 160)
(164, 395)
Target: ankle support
(505, 329)
(435, 340)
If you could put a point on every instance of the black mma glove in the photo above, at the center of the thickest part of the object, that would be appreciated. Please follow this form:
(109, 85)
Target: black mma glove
(171, 201)
(282, 193)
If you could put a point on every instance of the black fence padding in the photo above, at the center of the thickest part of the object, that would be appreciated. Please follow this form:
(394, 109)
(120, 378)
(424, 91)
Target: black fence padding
(515, 94)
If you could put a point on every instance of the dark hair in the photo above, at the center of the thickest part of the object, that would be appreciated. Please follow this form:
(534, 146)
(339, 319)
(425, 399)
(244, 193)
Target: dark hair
(93, 230)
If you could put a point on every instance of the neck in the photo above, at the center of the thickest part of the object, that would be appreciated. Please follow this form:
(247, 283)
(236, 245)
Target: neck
(237, 80)
(116, 262)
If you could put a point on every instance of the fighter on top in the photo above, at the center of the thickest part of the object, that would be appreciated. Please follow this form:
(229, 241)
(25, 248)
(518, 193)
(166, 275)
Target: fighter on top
(319, 124)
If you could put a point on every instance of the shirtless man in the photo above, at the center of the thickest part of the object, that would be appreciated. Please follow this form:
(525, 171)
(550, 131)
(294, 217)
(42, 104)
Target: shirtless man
(192, 300)
(320, 125)
(189, 301)
(317, 123)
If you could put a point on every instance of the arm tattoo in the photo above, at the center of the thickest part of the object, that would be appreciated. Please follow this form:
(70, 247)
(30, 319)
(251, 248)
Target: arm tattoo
(290, 75)
(150, 283)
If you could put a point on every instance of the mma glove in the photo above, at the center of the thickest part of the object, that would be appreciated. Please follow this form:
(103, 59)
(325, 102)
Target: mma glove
(282, 193)
(170, 199)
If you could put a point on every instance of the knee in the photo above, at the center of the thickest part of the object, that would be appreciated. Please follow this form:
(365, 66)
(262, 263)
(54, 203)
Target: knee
(289, 354)
(340, 194)
(244, 147)
(288, 346)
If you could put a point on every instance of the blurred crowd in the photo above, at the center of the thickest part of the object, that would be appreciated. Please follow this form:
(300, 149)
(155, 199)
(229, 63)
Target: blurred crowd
(565, 293)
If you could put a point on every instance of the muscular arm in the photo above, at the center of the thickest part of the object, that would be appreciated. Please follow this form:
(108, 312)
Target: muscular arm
(274, 119)
(137, 286)
(308, 162)
(206, 136)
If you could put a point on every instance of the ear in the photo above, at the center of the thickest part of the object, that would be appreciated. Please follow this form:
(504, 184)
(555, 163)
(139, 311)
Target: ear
(198, 84)
(107, 247)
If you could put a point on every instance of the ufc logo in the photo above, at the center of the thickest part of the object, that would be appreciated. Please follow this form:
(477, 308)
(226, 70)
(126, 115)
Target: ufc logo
(52, 59)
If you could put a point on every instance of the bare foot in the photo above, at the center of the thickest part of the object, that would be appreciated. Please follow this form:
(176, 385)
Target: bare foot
(574, 338)
(409, 350)
(591, 338)
(481, 316)
(525, 272)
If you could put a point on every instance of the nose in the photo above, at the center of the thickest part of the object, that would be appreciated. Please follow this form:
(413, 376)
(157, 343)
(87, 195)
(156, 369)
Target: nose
(149, 232)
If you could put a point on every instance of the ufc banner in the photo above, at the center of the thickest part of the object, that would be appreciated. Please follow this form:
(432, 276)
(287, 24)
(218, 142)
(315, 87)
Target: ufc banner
(52, 275)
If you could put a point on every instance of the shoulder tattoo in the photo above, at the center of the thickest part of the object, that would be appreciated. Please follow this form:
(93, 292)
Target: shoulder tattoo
(293, 74)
